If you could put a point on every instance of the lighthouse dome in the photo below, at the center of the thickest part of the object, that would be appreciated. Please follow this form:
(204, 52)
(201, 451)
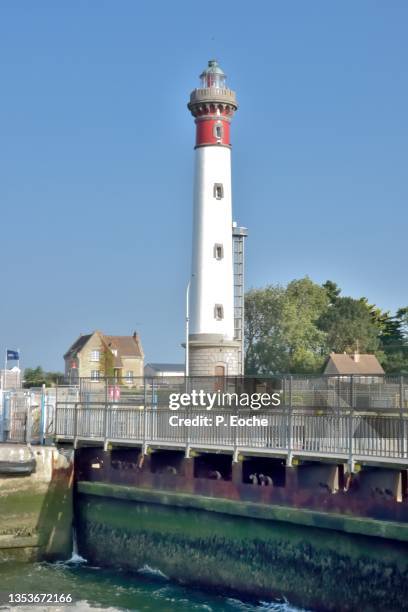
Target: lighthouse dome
(213, 76)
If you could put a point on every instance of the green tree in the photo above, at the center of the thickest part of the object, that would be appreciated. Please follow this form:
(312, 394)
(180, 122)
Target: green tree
(36, 377)
(265, 349)
(54, 378)
(280, 328)
(106, 362)
(349, 327)
(386, 325)
(396, 361)
(402, 317)
(333, 291)
(294, 328)
(394, 341)
(392, 335)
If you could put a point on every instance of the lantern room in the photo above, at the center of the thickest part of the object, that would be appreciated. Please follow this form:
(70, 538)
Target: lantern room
(213, 76)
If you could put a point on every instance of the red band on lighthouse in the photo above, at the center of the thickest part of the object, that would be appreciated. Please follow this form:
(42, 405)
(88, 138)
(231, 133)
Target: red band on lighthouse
(212, 132)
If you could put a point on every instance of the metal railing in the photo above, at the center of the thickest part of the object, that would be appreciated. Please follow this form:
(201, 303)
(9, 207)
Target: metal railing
(345, 434)
(18, 410)
(28, 415)
(212, 94)
(348, 417)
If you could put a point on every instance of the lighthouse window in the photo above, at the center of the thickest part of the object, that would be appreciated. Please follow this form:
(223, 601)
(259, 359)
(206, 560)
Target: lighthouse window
(219, 312)
(218, 131)
(218, 251)
(218, 191)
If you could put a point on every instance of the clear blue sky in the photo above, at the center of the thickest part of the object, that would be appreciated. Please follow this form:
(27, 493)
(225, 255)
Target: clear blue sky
(96, 158)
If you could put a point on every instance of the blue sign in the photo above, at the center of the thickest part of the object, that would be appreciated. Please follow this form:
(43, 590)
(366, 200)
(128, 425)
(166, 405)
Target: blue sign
(13, 355)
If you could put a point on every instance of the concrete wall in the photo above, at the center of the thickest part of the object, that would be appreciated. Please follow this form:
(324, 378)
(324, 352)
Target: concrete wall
(243, 547)
(323, 538)
(36, 510)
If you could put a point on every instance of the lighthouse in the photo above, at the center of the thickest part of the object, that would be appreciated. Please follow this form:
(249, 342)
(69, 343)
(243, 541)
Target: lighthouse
(213, 348)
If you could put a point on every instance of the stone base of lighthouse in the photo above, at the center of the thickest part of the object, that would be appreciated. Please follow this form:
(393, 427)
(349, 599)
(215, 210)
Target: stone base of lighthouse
(213, 355)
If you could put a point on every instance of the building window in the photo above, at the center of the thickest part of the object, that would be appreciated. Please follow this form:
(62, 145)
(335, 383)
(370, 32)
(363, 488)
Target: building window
(218, 191)
(219, 312)
(129, 375)
(218, 131)
(95, 374)
(218, 251)
(95, 356)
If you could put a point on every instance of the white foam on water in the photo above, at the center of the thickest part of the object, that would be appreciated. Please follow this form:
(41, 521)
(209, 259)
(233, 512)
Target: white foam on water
(264, 606)
(75, 560)
(150, 571)
(279, 606)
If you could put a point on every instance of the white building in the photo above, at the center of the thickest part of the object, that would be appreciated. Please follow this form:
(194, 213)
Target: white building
(164, 370)
(10, 379)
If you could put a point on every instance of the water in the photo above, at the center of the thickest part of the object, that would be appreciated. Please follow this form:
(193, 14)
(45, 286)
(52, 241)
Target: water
(94, 588)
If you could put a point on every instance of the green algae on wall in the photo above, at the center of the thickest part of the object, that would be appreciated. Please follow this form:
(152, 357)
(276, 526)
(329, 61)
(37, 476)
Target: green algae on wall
(36, 511)
(315, 567)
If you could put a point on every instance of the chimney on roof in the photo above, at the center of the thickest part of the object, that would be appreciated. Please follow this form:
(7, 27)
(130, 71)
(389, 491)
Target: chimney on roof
(135, 336)
(356, 352)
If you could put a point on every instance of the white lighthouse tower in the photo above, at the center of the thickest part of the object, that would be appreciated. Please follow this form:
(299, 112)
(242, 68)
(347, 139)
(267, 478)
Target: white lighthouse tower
(213, 348)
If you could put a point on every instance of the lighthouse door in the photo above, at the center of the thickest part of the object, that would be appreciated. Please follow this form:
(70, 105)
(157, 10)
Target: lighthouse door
(219, 377)
(220, 370)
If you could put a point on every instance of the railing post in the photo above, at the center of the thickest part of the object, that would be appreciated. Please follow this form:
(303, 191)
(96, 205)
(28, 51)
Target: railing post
(401, 385)
(154, 414)
(235, 451)
(351, 420)
(350, 442)
(352, 391)
(105, 413)
(28, 421)
(289, 426)
(1, 415)
(144, 416)
(338, 402)
(76, 421)
(42, 415)
(55, 417)
(401, 437)
(187, 431)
